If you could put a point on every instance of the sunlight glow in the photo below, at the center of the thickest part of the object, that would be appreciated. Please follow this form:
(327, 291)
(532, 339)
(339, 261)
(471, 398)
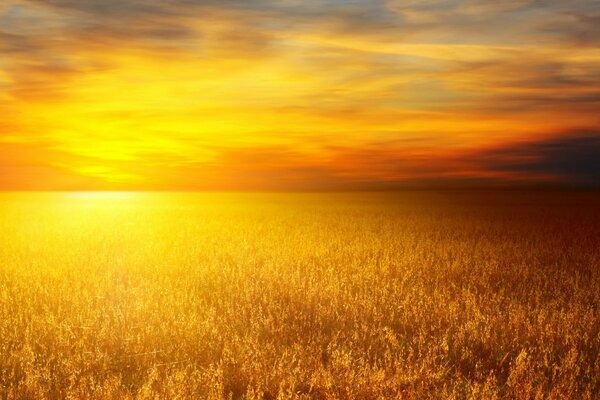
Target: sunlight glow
(102, 195)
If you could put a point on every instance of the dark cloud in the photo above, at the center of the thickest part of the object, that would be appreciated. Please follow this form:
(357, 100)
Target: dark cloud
(572, 158)
(576, 26)
(524, 83)
(13, 44)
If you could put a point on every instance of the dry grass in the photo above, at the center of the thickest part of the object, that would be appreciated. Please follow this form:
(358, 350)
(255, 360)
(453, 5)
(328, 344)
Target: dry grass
(354, 296)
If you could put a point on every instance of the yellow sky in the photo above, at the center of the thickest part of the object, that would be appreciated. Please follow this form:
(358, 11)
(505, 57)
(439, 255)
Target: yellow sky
(197, 94)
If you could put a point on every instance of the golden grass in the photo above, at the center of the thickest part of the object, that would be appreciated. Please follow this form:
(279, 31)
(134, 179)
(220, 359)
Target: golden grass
(352, 296)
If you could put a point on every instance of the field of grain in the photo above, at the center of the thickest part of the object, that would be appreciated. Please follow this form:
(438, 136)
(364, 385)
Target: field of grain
(410, 295)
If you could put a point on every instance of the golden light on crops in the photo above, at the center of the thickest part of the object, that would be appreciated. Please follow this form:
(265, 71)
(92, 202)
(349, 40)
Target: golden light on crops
(342, 296)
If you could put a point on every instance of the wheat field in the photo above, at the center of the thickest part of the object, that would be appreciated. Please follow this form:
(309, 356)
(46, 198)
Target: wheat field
(410, 295)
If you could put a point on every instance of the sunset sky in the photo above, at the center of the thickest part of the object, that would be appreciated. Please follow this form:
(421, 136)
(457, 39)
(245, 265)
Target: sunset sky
(298, 95)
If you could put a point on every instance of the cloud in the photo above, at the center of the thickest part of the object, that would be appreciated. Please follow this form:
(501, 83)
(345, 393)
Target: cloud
(567, 159)
(571, 158)
(287, 93)
(31, 166)
(433, 11)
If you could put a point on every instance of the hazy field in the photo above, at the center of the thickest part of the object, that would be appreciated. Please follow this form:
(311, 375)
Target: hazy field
(409, 295)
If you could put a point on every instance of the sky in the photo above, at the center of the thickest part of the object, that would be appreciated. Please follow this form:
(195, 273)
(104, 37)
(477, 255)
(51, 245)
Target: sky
(298, 95)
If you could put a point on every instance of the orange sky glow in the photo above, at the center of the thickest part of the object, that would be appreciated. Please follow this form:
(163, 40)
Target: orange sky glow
(297, 95)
